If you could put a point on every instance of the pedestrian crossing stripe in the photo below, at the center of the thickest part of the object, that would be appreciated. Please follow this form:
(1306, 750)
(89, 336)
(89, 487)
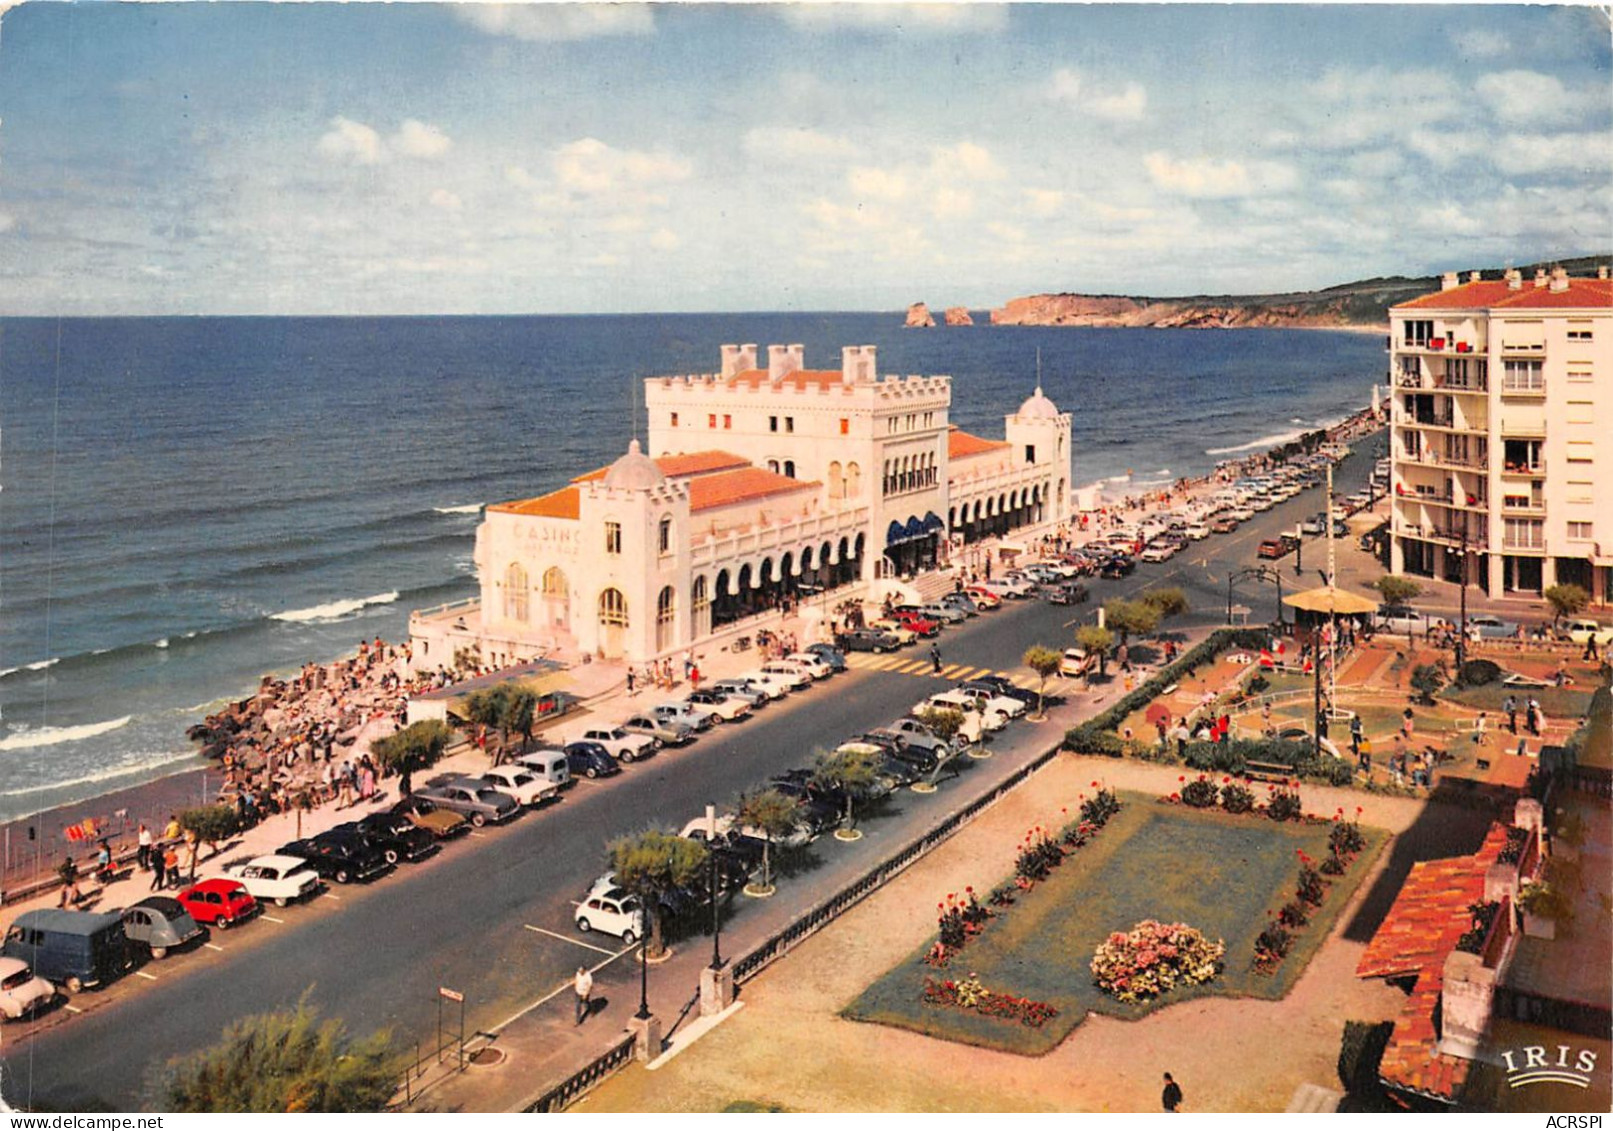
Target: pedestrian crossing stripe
(954, 671)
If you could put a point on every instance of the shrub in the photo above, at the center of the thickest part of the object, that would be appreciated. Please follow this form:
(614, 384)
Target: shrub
(1153, 958)
(1236, 798)
(1311, 889)
(1512, 851)
(1097, 810)
(968, 993)
(1546, 901)
(1360, 1053)
(1293, 914)
(1346, 838)
(1477, 673)
(1038, 855)
(1257, 684)
(1483, 914)
(1272, 945)
(1284, 804)
(1200, 793)
(1426, 680)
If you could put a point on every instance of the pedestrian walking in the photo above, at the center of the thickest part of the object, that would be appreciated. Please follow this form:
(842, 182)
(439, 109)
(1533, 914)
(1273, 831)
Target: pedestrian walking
(142, 852)
(1480, 726)
(1355, 735)
(630, 680)
(1534, 716)
(1510, 706)
(170, 861)
(583, 985)
(935, 658)
(1171, 1097)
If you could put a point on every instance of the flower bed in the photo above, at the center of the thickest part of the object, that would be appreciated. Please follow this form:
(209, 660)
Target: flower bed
(1345, 841)
(1153, 958)
(968, 993)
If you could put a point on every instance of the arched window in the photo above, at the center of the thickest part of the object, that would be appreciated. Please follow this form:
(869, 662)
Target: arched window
(666, 611)
(699, 598)
(789, 468)
(854, 480)
(837, 486)
(554, 582)
(772, 465)
(613, 608)
(666, 535)
(516, 592)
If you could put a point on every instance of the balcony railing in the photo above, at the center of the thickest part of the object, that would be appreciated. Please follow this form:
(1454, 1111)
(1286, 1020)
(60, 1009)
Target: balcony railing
(1518, 390)
(1534, 545)
(1437, 459)
(1476, 540)
(1513, 467)
(1523, 508)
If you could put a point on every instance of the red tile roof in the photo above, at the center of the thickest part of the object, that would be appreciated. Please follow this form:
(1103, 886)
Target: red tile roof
(961, 445)
(1492, 294)
(801, 378)
(729, 487)
(556, 504)
(682, 464)
(1422, 928)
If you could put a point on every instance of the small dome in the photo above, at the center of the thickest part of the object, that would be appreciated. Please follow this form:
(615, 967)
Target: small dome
(1038, 407)
(635, 471)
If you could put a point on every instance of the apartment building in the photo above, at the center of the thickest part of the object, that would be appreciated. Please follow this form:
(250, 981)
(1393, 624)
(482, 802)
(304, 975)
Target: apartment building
(1501, 433)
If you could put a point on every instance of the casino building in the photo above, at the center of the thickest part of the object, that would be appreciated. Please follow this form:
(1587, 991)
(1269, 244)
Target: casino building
(757, 485)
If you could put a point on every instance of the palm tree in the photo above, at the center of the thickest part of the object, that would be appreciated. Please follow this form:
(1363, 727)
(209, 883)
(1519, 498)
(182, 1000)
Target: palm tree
(771, 813)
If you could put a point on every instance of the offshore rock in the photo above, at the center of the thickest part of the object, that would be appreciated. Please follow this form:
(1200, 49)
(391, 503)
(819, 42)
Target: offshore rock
(958, 316)
(919, 315)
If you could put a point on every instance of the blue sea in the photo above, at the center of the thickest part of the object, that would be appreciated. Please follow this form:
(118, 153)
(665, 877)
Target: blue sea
(187, 504)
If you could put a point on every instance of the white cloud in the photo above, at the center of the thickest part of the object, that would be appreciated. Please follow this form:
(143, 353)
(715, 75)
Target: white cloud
(949, 203)
(1126, 105)
(352, 141)
(879, 184)
(787, 143)
(1065, 85)
(447, 201)
(1009, 232)
(1481, 43)
(418, 139)
(942, 19)
(1043, 202)
(589, 167)
(1591, 153)
(1208, 178)
(968, 159)
(1445, 148)
(549, 23)
(665, 239)
(1520, 98)
(7, 221)
(1099, 100)
(520, 178)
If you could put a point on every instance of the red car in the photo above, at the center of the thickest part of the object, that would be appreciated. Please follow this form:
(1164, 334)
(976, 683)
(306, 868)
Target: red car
(218, 902)
(919, 624)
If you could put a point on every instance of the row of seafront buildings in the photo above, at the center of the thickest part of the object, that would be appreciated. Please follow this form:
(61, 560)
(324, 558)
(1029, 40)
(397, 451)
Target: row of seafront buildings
(760, 486)
(1502, 433)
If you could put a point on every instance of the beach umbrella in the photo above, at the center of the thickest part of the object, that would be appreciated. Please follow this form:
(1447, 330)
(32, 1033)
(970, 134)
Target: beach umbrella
(1330, 599)
(1157, 714)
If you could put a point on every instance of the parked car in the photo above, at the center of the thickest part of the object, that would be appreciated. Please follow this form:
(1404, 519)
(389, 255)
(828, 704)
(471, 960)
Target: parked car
(913, 733)
(478, 803)
(439, 822)
(997, 687)
(548, 764)
(728, 708)
(1582, 631)
(1402, 620)
(285, 878)
(776, 686)
(1158, 552)
(966, 702)
(829, 654)
(1278, 547)
(614, 912)
(1006, 587)
(942, 612)
(795, 675)
(1198, 530)
(821, 808)
(1075, 661)
(22, 992)
(1484, 626)
(984, 599)
(1316, 524)
(1067, 593)
(667, 732)
(218, 902)
(78, 950)
(683, 711)
(395, 838)
(520, 783)
(343, 859)
(1225, 524)
(590, 760)
(742, 689)
(868, 640)
(623, 744)
(160, 924)
(890, 626)
(817, 667)
(1117, 567)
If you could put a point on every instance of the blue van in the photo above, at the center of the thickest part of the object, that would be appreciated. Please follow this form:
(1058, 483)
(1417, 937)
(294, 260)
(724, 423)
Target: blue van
(78, 950)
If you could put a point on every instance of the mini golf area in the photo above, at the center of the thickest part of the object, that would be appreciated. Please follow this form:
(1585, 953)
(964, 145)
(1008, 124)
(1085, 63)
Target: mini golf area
(1215, 871)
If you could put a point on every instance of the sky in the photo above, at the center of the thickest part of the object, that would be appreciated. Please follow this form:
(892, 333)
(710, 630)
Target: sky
(239, 158)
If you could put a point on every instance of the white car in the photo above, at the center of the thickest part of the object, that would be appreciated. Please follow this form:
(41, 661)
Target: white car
(682, 711)
(966, 703)
(278, 878)
(817, 667)
(1198, 531)
(728, 708)
(700, 827)
(1007, 587)
(1160, 552)
(792, 673)
(622, 744)
(1582, 631)
(757, 697)
(521, 783)
(614, 912)
(776, 687)
(20, 992)
(1075, 661)
(1241, 513)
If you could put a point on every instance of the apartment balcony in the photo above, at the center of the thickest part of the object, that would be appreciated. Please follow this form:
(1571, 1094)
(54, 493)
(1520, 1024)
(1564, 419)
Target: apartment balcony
(1513, 470)
(1437, 459)
(1443, 346)
(1534, 508)
(1523, 429)
(1475, 539)
(1523, 546)
(1512, 392)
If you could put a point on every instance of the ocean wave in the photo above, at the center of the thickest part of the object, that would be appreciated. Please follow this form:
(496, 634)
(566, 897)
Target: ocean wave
(162, 643)
(172, 758)
(1272, 441)
(51, 736)
(468, 508)
(333, 610)
(37, 666)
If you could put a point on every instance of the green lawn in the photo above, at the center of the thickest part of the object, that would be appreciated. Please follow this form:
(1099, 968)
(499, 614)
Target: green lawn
(1216, 872)
(1557, 702)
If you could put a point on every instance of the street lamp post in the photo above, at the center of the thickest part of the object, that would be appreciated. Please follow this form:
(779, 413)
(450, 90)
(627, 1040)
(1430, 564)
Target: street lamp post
(716, 911)
(643, 1013)
(1299, 549)
(1461, 634)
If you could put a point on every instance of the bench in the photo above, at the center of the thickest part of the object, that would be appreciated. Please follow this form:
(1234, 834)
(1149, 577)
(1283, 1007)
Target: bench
(1268, 771)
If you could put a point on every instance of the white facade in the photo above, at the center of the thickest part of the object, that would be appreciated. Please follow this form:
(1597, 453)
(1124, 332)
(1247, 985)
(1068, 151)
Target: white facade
(758, 486)
(1501, 433)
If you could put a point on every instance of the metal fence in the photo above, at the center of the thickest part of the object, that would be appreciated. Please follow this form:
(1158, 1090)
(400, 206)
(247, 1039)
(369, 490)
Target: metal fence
(568, 1091)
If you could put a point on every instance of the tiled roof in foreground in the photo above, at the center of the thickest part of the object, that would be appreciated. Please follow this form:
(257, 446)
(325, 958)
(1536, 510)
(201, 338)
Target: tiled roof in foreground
(961, 445)
(556, 504)
(1494, 294)
(729, 487)
(683, 464)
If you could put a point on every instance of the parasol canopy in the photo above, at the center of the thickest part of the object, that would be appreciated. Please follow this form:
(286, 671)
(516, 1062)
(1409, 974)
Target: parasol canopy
(1157, 713)
(1330, 599)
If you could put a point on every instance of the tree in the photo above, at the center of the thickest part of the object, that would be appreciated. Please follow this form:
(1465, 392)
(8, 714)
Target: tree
(1426, 680)
(853, 770)
(1130, 618)
(653, 863)
(945, 723)
(1170, 602)
(1045, 663)
(210, 824)
(520, 712)
(414, 748)
(287, 1061)
(1097, 641)
(506, 708)
(771, 813)
(1396, 590)
(1566, 601)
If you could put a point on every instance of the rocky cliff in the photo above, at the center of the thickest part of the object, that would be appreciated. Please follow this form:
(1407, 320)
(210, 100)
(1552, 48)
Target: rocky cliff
(919, 315)
(958, 316)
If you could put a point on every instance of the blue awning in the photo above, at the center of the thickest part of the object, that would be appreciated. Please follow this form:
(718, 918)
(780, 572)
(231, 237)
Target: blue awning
(932, 521)
(895, 533)
(915, 528)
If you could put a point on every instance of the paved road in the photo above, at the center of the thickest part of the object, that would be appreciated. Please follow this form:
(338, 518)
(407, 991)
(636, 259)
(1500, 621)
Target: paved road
(375, 956)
